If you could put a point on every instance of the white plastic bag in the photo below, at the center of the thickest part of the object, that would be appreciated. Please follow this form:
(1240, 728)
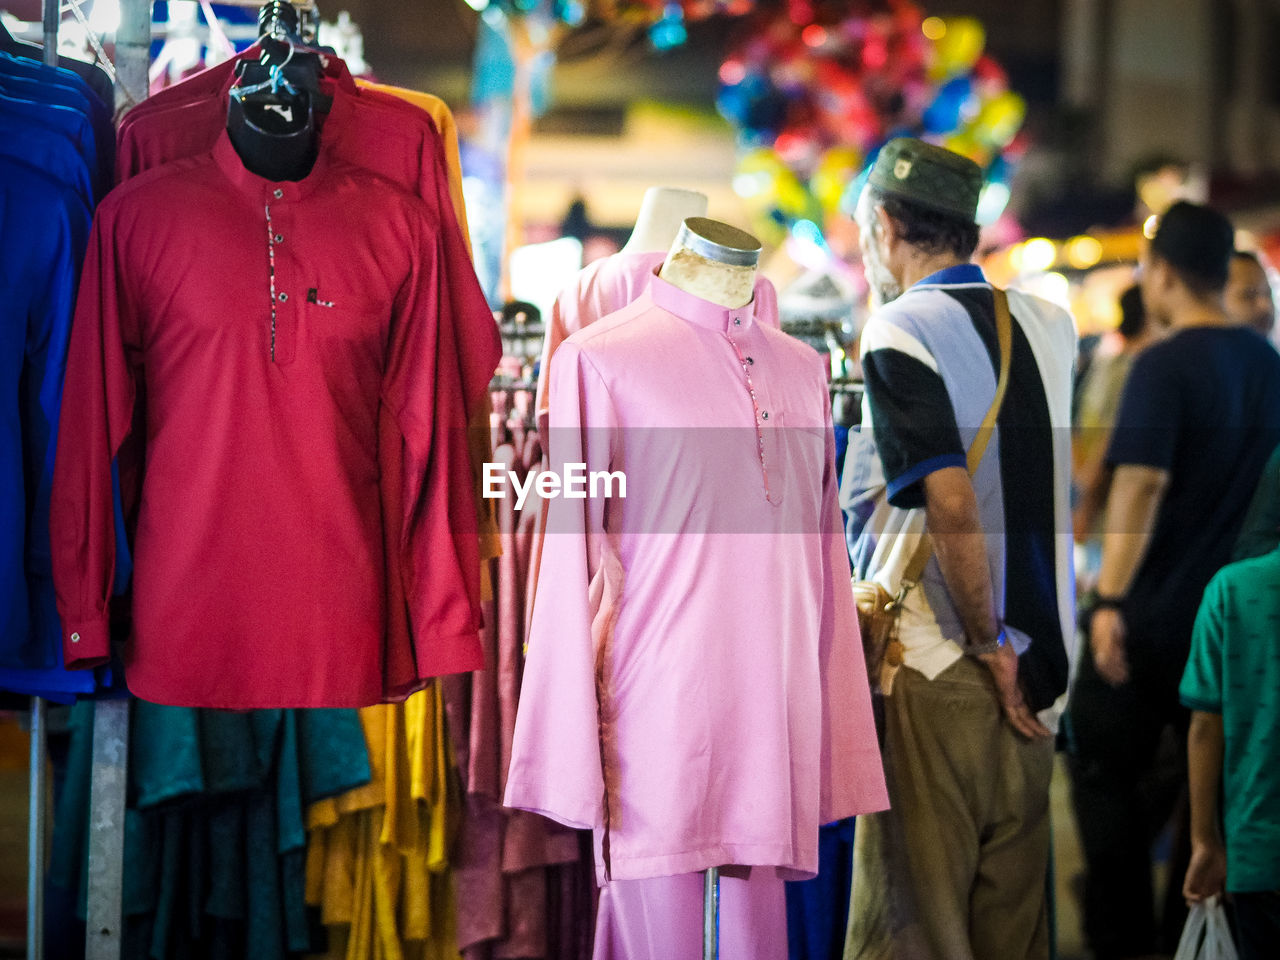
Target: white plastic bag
(1206, 936)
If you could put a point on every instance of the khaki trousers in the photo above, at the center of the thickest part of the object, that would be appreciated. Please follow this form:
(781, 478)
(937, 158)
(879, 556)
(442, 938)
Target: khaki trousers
(956, 869)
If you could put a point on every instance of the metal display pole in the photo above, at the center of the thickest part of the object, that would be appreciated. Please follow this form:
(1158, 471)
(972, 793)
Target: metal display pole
(711, 914)
(52, 14)
(103, 933)
(133, 52)
(36, 831)
(37, 809)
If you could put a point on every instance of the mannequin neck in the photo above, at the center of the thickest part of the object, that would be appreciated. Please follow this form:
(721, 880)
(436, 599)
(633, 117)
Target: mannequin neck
(269, 146)
(729, 286)
(661, 213)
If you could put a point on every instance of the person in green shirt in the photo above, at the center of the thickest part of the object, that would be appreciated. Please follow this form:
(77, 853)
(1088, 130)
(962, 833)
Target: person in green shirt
(1232, 685)
(1260, 532)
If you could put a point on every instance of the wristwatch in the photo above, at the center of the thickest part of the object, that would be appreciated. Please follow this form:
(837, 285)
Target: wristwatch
(991, 646)
(1103, 602)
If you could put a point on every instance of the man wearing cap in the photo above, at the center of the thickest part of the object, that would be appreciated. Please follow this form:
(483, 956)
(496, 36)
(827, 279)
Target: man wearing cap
(956, 869)
(1199, 416)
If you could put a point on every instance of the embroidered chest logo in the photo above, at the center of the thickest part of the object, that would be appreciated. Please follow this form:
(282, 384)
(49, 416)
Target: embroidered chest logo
(313, 296)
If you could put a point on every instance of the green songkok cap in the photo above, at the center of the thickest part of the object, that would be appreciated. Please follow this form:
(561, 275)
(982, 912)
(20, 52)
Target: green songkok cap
(928, 176)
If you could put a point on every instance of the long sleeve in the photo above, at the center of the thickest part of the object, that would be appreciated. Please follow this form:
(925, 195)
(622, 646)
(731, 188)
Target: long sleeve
(852, 779)
(48, 333)
(97, 412)
(469, 350)
(556, 765)
(420, 391)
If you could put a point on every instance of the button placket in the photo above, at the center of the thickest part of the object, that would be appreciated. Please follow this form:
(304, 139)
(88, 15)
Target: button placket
(283, 323)
(760, 416)
(271, 271)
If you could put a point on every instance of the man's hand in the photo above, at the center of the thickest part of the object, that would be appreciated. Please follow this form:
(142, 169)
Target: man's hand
(1003, 665)
(1207, 873)
(1107, 639)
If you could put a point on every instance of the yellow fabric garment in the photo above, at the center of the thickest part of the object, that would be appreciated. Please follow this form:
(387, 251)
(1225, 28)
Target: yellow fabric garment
(377, 856)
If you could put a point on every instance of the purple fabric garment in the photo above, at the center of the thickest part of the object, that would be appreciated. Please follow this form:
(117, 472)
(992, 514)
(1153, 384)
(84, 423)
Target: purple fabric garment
(694, 690)
(508, 860)
(661, 918)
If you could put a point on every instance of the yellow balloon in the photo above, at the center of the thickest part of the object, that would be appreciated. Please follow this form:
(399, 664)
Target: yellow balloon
(768, 184)
(967, 145)
(793, 198)
(958, 48)
(1000, 119)
(762, 160)
(838, 166)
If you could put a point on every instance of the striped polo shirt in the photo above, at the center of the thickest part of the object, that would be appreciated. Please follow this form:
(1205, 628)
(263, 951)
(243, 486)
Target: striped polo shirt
(931, 361)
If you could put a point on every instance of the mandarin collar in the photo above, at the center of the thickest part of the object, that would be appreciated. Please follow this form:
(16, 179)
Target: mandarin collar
(260, 188)
(338, 83)
(698, 311)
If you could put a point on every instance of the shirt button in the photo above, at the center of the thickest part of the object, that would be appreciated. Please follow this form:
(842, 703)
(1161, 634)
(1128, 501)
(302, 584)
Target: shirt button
(751, 361)
(278, 238)
(764, 415)
(75, 638)
(277, 193)
(283, 298)
(737, 322)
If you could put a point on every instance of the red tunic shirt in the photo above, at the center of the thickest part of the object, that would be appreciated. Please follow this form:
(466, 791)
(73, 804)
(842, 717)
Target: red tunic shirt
(400, 142)
(261, 575)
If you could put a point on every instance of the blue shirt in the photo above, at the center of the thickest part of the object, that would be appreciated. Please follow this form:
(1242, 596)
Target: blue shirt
(43, 231)
(47, 149)
(65, 120)
(52, 85)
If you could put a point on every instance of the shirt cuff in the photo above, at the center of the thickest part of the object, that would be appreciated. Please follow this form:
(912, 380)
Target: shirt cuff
(86, 644)
(442, 656)
(1204, 706)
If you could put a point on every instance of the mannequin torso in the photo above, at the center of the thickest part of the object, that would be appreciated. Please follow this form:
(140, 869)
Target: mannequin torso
(713, 261)
(662, 212)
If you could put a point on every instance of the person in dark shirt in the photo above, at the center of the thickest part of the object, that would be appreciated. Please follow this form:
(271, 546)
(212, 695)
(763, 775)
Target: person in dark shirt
(1199, 416)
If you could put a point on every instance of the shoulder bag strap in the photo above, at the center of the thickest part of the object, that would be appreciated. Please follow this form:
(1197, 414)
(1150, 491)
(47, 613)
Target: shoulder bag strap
(1004, 338)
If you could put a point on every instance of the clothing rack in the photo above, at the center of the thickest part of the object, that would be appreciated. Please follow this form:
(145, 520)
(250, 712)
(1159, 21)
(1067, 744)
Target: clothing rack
(37, 777)
(105, 917)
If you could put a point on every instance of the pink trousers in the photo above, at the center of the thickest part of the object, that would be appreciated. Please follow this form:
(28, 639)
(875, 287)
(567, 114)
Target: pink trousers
(661, 919)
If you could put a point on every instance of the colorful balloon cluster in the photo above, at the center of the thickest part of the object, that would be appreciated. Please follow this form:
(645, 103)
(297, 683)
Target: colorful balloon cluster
(814, 95)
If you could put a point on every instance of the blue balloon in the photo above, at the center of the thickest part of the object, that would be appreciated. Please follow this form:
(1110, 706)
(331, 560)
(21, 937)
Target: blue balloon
(998, 172)
(943, 115)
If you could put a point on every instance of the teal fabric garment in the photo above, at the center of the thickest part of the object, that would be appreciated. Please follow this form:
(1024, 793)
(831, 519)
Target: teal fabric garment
(1260, 532)
(215, 832)
(1234, 670)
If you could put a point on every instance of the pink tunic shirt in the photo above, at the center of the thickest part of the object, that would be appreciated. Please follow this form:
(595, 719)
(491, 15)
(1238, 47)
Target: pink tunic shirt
(610, 284)
(694, 690)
